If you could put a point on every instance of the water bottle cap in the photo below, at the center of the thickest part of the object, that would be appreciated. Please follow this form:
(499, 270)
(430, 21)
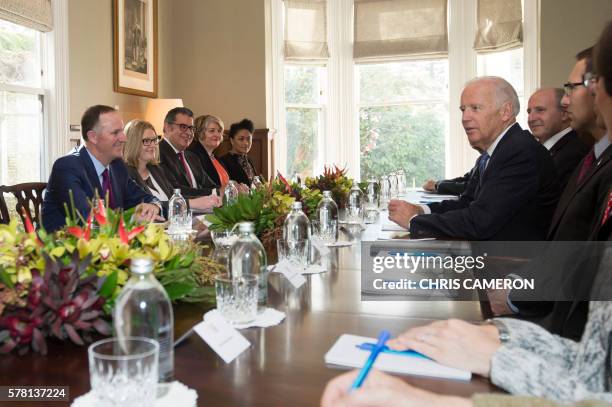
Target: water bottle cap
(177, 190)
(296, 205)
(246, 227)
(327, 194)
(141, 265)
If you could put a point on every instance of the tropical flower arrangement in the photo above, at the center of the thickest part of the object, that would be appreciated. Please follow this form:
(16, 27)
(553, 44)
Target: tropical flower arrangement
(268, 205)
(63, 285)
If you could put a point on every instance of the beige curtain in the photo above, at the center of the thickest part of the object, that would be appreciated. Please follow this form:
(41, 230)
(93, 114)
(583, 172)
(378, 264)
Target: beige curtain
(36, 14)
(500, 25)
(306, 29)
(390, 28)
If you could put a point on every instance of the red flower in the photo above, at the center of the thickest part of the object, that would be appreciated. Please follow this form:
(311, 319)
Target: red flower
(100, 213)
(284, 181)
(126, 235)
(29, 227)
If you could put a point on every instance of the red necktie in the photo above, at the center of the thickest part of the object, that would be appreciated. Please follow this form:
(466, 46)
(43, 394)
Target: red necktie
(107, 189)
(586, 166)
(606, 214)
(187, 170)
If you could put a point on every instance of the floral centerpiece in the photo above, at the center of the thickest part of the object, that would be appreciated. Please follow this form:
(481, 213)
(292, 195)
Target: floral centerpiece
(63, 285)
(334, 180)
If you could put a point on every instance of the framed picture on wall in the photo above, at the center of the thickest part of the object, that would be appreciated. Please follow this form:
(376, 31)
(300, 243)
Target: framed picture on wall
(135, 47)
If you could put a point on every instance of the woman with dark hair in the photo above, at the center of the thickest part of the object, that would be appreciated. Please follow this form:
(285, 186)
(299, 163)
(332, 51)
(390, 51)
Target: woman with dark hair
(239, 166)
(208, 130)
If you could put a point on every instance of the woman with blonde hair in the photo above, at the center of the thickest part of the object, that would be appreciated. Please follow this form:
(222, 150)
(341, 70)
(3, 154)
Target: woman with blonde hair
(208, 131)
(141, 154)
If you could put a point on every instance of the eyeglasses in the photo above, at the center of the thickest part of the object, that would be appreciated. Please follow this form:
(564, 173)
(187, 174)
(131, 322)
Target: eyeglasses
(151, 141)
(589, 79)
(184, 128)
(569, 87)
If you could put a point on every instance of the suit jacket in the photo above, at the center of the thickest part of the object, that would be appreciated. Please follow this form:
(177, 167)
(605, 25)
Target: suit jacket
(455, 186)
(76, 172)
(573, 218)
(176, 174)
(158, 173)
(198, 149)
(566, 154)
(513, 199)
(234, 169)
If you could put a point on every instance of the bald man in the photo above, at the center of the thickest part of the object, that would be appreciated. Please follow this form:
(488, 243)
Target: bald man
(550, 125)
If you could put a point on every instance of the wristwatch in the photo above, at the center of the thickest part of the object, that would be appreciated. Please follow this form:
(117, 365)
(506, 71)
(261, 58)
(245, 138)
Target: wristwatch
(502, 329)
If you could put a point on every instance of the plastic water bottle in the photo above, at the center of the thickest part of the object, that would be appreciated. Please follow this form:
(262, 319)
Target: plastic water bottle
(143, 309)
(178, 214)
(247, 256)
(230, 194)
(295, 179)
(327, 210)
(297, 225)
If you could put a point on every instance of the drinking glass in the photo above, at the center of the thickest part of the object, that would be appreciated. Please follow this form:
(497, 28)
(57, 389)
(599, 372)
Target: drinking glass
(293, 251)
(256, 183)
(237, 298)
(124, 372)
(393, 190)
(327, 232)
(231, 192)
(385, 192)
(401, 181)
(371, 202)
(223, 240)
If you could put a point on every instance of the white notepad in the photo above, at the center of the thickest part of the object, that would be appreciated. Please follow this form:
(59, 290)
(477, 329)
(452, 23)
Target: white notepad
(389, 226)
(345, 353)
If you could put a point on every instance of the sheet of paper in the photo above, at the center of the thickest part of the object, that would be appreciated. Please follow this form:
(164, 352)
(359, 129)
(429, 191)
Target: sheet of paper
(389, 226)
(291, 273)
(345, 353)
(224, 339)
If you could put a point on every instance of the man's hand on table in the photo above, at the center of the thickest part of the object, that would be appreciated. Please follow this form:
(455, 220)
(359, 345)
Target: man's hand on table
(401, 212)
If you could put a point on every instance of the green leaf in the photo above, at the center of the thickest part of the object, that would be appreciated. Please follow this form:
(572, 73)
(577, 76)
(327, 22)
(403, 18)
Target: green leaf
(110, 283)
(6, 279)
(178, 290)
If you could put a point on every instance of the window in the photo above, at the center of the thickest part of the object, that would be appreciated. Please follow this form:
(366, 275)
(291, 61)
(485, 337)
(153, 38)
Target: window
(21, 104)
(377, 114)
(304, 116)
(508, 65)
(402, 124)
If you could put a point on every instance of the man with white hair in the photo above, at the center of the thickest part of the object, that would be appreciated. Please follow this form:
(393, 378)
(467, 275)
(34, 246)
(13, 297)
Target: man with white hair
(513, 194)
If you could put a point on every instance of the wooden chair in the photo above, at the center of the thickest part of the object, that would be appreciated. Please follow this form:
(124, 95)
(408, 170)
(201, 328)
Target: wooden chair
(29, 196)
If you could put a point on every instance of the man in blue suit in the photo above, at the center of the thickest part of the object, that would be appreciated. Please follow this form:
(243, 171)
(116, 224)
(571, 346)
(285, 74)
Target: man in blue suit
(513, 193)
(95, 167)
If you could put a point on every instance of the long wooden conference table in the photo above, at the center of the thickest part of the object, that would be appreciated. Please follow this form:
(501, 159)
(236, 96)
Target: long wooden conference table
(285, 363)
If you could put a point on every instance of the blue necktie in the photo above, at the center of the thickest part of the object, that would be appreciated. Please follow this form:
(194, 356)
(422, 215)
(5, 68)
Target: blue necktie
(482, 163)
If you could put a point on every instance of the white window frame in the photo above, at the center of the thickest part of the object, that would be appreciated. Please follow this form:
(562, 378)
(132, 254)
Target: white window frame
(342, 137)
(54, 89)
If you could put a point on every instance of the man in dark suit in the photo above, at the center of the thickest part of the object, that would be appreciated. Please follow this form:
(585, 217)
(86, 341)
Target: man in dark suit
(95, 168)
(513, 194)
(549, 124)
(183, 168)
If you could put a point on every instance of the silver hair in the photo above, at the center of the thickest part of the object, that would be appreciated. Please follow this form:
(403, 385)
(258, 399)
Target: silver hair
(504, 92)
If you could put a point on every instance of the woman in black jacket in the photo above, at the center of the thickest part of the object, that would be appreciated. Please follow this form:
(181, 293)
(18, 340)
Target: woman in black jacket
(238, 165)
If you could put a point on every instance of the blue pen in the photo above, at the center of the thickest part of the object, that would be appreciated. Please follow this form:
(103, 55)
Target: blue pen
(363, 373)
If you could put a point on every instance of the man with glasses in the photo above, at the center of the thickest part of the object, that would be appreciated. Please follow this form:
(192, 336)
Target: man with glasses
(95, 169)
(182, 168)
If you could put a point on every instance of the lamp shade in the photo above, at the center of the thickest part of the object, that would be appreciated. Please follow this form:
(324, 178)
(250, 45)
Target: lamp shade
(157, 110)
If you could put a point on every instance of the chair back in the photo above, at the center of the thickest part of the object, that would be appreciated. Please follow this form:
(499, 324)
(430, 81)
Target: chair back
(28, 196)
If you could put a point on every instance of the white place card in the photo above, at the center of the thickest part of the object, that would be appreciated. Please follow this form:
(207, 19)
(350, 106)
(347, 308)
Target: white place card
(291, 273)
(320, 246)
(224, 339)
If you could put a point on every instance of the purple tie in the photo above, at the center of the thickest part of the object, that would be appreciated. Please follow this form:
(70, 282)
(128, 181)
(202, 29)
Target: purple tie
(106, 188)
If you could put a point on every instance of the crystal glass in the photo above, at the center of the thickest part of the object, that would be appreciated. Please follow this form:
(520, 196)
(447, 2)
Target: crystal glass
(124, 372)
(257, 182)
(237, 298)
(393, 182)
(354, 211)
(223, 241)
(401, 181)
(385, 192)
(293, 251)
(230, 194)
(327, 232)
